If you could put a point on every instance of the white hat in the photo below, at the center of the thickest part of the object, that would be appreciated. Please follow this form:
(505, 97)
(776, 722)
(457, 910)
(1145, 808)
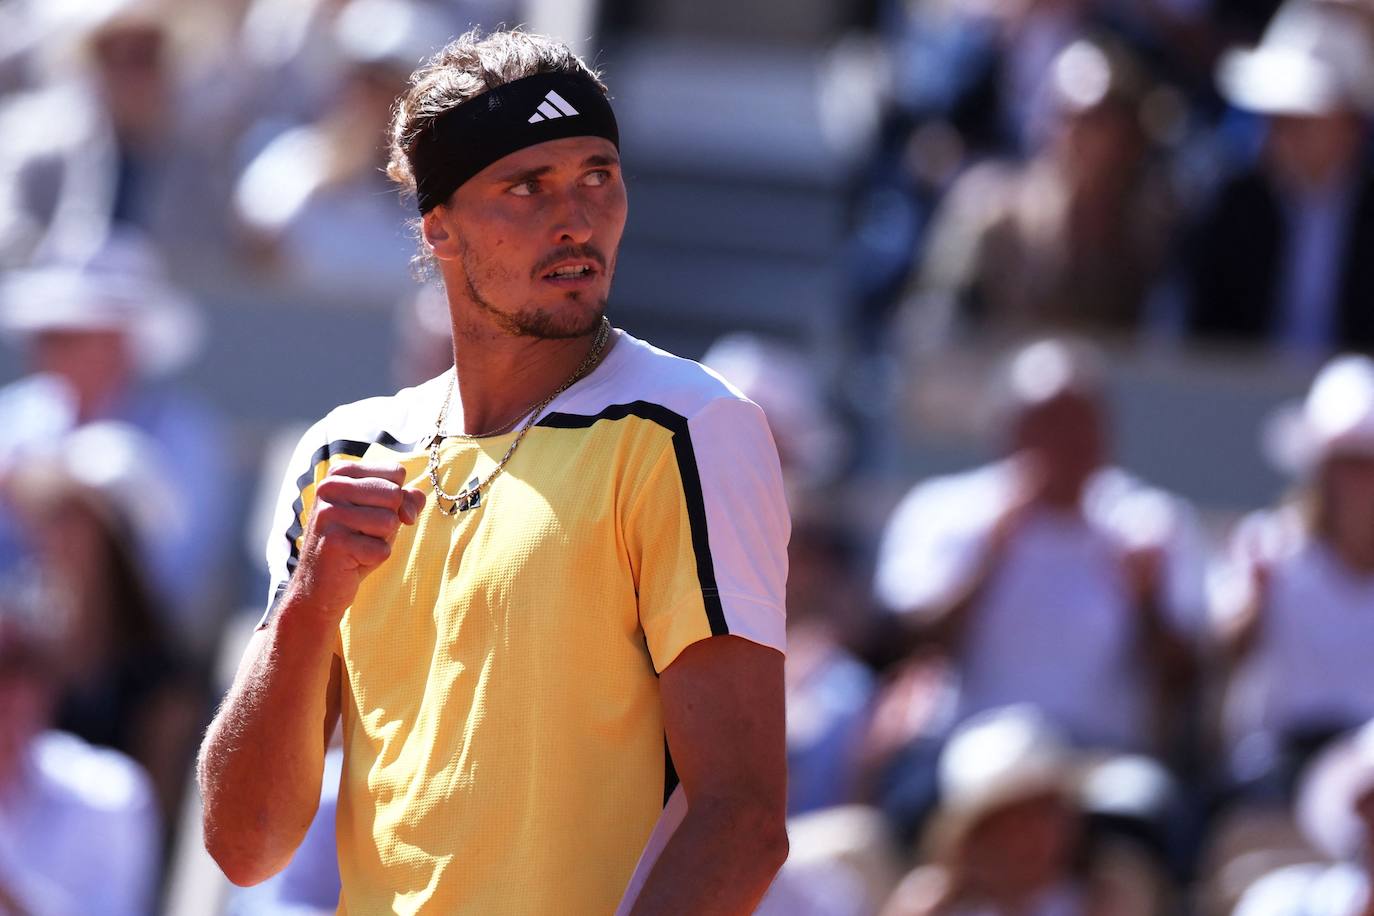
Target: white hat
(123, 286)
(1316, 58)
(395, 33)
(1329, 790)
(999, 757)
(1336, 418)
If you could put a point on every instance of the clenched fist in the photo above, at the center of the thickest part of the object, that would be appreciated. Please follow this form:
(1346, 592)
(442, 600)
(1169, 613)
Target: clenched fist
(358, 509)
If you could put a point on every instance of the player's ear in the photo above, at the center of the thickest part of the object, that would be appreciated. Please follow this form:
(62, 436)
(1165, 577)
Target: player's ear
(438, 232)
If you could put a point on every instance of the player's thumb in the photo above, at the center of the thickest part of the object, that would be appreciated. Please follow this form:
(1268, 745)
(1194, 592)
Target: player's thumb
(411, 504)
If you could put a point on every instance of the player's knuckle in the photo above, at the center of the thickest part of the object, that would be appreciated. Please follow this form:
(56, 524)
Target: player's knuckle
(374, 551)
(326, 515)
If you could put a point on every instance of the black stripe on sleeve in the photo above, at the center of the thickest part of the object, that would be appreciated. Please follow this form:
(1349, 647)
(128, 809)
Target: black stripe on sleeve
(350, 448)
(670, 779)
(691, 488)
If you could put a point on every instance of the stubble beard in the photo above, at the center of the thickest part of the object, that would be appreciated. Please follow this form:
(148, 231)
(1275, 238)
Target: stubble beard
(532, 320)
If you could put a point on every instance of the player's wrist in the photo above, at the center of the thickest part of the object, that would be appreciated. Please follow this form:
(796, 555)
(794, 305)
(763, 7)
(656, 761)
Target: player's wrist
(309, 616)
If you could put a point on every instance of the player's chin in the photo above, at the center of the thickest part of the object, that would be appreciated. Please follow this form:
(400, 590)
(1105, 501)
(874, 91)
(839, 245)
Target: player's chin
(569, 319)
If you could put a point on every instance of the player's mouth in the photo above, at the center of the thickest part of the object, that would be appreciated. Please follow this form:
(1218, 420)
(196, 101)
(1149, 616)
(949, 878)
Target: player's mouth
(572, 274)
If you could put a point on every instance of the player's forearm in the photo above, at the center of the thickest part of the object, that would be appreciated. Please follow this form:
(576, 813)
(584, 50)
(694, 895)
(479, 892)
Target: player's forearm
(720, 860)
(262, 760)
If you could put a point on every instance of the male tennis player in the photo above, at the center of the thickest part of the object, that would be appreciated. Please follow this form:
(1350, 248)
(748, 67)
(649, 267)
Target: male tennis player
(543, 592)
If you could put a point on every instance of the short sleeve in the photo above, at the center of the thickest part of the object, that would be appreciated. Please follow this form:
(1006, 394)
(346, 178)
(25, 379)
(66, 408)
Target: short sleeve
(924, 556)
(707, 534)
(308, 465)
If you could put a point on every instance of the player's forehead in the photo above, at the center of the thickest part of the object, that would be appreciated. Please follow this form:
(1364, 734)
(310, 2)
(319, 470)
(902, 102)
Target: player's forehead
(566, 154)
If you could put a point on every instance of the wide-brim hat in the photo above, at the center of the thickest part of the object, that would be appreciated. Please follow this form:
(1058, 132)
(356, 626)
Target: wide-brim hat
(193, 31)
(123, 287)
(996, 759)
(1337, 417)
(1330, 789)
(1315, 58)
(395, 34)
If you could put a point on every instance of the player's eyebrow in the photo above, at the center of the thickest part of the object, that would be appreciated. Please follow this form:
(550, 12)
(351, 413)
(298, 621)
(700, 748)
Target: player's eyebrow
(524, 175)
(596, 160)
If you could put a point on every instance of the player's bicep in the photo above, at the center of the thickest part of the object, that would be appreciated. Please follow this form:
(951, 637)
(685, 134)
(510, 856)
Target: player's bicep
(723, 714)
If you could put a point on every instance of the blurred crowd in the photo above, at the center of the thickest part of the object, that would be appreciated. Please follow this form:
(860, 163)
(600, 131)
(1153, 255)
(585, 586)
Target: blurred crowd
(1041, 686)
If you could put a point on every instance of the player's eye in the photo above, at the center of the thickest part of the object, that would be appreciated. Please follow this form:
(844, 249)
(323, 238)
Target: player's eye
(524, 188)
(597, 178)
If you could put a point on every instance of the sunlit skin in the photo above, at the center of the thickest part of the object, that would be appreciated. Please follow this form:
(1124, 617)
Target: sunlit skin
(1064, 440)
(1310, 153)
(518, 331)
(1345, 488)
(356, 122)
(96, 364)
(25, 710)
(131, 63)
(1019, 850)
(73, 544)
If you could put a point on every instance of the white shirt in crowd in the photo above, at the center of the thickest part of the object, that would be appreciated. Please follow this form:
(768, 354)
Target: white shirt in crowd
(1309, 667)
(79, 833)
(1307, 890)
(1056, 626)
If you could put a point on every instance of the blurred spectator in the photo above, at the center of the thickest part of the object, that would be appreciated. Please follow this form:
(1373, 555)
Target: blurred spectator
(78, 825)
(979, 66)
(1335, 809)
(95, 335)
(1280, 256)
(1073, 238)
(115, 139)
(1009, 836)
(1298, 616)
(828, 689)
(1052, 577)
(424, 338)
(291, 45)
(315, 205)
(85, 509)
(783, 381)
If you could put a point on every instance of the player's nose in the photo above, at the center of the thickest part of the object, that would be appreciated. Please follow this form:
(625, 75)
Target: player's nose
(573, 223)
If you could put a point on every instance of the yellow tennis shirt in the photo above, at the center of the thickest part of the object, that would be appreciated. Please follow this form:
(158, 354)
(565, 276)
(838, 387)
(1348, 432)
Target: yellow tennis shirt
(504, 750)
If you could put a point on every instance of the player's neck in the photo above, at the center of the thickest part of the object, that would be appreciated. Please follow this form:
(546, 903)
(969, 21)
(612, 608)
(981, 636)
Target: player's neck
(499, 375)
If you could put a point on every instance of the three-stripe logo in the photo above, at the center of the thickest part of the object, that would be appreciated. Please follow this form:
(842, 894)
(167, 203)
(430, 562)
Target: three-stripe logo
(553, 106)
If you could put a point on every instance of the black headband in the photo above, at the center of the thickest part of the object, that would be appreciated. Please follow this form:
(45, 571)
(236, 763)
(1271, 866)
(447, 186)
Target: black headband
(466, 139)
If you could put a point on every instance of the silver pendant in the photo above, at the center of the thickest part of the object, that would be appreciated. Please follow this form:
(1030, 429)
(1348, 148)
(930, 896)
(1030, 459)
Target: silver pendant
(471, 497)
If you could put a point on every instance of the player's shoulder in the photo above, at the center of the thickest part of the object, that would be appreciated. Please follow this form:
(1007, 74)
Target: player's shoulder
(646, 377)
(397, 420)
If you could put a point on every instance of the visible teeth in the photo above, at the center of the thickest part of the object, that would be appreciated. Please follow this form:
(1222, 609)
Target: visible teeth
(570, 271)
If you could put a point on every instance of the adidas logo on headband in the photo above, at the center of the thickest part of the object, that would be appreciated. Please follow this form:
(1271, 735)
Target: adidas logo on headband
(553, 106)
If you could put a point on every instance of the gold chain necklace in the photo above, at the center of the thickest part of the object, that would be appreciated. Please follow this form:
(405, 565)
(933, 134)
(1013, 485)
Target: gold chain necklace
(470, 497)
